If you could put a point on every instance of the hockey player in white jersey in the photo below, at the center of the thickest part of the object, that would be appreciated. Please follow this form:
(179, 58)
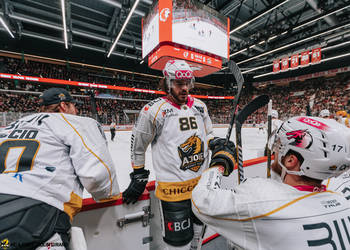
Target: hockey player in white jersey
(178, 127)
(261, 127)
(275, 122)
(343, 118)
(296, 214)
(340, 184)
(324, 113)
(46, 160)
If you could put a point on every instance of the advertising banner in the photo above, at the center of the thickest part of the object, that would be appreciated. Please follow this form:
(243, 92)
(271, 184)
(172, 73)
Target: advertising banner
(294, 61)
(96, 85)
(285, 64)
(304, 59)
(316, 56)
(276, 65)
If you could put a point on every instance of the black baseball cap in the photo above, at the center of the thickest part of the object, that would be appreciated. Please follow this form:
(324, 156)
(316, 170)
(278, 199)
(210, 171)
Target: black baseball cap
(56, 95)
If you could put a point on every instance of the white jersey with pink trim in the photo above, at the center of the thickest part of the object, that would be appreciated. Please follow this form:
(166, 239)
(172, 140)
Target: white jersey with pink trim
(51, 157)
(264, 214)
(178, 135)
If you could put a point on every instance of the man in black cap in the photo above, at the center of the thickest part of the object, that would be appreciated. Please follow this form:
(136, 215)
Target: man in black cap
(46, 160)
(58, 100)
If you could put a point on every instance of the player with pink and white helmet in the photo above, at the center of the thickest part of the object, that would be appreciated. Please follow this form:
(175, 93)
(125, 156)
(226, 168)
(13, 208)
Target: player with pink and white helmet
(178, 80)
(299, 213)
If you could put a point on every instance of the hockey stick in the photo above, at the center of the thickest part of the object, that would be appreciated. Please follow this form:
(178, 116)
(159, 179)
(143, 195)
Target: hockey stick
(240, 81)
(269, 128)
(236, 72)
(247, 110)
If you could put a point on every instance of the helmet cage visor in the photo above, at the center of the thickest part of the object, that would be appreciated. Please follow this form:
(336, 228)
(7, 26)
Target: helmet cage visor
(189, 82)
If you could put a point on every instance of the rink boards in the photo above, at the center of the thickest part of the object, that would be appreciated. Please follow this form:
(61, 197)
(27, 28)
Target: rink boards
(115, 225)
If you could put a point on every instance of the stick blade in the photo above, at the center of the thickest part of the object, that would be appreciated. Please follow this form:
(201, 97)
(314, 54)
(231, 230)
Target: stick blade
(251, 107)
(236, 72)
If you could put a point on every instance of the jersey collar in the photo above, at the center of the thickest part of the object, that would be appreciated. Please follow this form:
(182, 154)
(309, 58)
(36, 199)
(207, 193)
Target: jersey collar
(311, 188)
(189, 103)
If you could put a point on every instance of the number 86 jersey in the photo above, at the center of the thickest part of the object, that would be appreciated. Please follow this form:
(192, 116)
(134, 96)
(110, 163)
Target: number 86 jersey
(178, 135)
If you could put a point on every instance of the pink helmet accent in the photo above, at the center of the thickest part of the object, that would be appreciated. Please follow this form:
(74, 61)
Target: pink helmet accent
(322, 143)
(177, 69)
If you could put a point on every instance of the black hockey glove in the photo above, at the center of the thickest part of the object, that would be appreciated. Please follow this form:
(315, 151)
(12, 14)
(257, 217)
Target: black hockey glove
(224, 155)
(139, 179)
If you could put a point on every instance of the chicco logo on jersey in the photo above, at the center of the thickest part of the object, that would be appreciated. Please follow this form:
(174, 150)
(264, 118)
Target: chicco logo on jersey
(183, 74)
(179, 225)
(176, 191)
(313, 123)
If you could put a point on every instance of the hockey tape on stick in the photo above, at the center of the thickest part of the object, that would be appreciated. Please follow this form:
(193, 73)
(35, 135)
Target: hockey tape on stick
(234, 69)
(247, 110)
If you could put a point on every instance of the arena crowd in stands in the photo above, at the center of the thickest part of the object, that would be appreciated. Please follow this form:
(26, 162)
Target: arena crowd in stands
(22, 97)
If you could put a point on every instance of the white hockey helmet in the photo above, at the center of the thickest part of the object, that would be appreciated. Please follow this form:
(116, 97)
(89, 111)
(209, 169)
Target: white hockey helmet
(274, 113)
(323, 144)
(178, 70)
(324, 113)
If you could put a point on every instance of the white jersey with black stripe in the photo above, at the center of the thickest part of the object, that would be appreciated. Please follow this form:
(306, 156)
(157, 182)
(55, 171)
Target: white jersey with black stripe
(52, 156)
(179, 136)
(261, 214)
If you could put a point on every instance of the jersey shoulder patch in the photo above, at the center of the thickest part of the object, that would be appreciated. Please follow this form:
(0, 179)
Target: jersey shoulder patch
(153, 106)
(200, 106)
(198, 102)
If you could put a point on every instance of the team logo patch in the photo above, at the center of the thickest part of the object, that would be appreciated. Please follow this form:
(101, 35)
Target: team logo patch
(191, 153)
(5, 244)
(302, 138)
(62, 96)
